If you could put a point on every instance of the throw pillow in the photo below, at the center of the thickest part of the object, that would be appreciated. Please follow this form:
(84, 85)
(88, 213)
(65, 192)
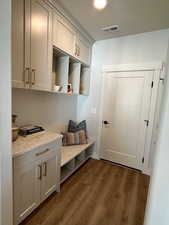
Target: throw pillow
(74, 138)
(74, 127)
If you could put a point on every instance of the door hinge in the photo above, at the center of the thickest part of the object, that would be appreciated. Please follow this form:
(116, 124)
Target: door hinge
(142, 160)
(152, 84)
(147, 122)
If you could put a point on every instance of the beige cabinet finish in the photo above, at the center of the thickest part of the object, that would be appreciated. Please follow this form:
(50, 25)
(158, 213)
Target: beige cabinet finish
(36, 176)
(66, 38)
(32, 45)
(49, 174)
(36, 28)
(19, 72)
(83, 51)
(26, 190)
(41, 46)
(64, 34)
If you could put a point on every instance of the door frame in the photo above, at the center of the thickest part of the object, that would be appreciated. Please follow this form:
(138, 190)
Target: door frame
(6, 202)
(157, 67)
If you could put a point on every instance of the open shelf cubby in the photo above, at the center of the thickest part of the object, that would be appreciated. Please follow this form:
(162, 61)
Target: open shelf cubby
(67, 169)
(70, 76)
(72, 157)
(84, 80)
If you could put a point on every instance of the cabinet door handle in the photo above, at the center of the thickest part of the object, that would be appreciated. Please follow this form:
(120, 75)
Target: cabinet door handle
(43, 152)
(79, 51)
(45, 169)
(26, 76)
(40, 172)
(34, 77)
(75, 49)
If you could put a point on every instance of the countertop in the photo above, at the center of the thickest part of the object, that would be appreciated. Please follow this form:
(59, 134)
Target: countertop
(25, 144)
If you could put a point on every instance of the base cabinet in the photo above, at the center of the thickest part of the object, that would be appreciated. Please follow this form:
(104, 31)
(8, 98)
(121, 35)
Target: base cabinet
(35, 178)
(48, 185)
(26, 190)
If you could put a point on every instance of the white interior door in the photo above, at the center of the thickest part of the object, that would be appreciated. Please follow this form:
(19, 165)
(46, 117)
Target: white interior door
(125, 107)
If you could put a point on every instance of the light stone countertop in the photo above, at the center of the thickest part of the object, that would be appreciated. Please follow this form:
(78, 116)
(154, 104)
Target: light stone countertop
(29, 143)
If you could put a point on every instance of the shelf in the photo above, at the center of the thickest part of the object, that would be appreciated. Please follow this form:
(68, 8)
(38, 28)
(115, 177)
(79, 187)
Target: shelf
(67, 169)
(70, 152)
(88, 151)
(74, 76)
(84, 80)
(69, 72)
(60, 71)
(60, 52)
(67, 172)
(72, 157)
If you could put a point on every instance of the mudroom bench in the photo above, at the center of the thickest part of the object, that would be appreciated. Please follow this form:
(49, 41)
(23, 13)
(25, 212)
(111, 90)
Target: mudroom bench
(72, 157)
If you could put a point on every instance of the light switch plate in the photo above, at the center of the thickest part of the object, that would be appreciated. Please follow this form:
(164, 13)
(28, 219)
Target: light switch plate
(93, 111)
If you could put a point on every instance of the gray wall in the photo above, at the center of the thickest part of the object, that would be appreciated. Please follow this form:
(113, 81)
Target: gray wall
(41, 108)
(134, 49)
(5, 114)
(157, 212)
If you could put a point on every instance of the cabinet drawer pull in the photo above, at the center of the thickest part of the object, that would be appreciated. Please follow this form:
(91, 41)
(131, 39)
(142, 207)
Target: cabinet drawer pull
(75, 49)
(26, 76)
(45, 169)
(40, 172)
(41, 153)
(34, 76)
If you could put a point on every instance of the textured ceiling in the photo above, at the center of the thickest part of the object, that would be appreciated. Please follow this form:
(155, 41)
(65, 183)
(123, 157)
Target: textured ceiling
(132, 16)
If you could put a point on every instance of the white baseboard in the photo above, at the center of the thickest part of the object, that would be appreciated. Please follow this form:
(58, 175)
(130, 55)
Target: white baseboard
(146, 171)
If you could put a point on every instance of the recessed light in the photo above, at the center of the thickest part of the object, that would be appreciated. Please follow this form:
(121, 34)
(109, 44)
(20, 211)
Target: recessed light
(100, 4)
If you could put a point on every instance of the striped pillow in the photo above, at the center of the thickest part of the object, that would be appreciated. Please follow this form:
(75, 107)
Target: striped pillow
(74, 138)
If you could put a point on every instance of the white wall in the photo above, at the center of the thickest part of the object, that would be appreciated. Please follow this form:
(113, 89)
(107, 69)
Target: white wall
(157, 212)
(5, 114)
(41, 108)
(141, 48)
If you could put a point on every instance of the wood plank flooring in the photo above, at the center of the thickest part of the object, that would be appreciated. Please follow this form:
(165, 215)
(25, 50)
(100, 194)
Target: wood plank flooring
(100, 193)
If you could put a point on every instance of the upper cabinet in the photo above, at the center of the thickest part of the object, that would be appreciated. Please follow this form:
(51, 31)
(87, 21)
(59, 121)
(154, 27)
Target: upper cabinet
(64, 36)
(43, 42)
(32, 45)
(68, 39)
(40, 45)
(83, 49)
(20, 76)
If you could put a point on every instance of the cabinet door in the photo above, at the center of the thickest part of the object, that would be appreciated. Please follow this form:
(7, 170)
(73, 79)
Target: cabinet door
(83, 50)
(41, 46)
(20, 69)
(49, 173)
(27, 179)
(64, 36)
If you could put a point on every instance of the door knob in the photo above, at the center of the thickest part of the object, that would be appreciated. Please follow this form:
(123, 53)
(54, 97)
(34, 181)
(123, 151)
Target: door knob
(106, 122)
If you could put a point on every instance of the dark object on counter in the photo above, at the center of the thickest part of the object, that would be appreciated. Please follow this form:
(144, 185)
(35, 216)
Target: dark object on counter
(14, 133)
(14, 117)
(30, 129)
(15, 128)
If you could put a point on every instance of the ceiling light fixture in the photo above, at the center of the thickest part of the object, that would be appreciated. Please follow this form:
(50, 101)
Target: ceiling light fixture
(100, 4)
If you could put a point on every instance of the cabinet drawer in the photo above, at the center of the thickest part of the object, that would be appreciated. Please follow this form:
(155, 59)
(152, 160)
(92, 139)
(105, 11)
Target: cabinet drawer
(37, 154)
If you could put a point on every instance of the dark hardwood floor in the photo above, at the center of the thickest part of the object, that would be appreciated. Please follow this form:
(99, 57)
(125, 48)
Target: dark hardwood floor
(100, 193)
